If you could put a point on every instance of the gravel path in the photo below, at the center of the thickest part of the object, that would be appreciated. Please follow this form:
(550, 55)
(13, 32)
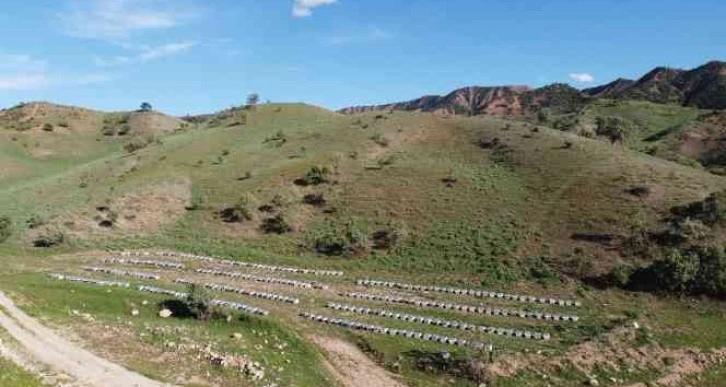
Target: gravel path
(48, 348)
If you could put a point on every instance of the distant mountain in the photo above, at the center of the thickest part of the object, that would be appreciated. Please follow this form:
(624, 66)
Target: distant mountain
(609, 90)
(703, 87)
(478, 100)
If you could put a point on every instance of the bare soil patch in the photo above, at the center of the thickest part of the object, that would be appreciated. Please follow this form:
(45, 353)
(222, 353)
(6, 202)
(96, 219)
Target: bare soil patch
(351, 367)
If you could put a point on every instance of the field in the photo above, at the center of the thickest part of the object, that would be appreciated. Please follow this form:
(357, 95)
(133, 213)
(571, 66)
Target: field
(466, 202)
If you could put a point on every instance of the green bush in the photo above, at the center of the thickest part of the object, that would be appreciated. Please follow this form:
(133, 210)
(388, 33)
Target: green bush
(334, 239)
(315, 176)
(49, 238)
(695, 270)
(198, 301)
(6, 228)
(614, 128)
(138, 142)
(379, 139)
(108, 130)
(276, 225)
(620, 275)
(124, 129)
(35, 221)
(238, 212)
(48, 127)
(710, 211)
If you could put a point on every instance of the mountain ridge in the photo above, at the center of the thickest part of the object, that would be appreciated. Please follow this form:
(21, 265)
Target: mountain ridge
(702, 87)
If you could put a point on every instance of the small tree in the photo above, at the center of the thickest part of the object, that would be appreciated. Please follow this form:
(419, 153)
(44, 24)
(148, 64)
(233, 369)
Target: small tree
(198, 301)
(252, 100)
(5, 228)
(146, 107)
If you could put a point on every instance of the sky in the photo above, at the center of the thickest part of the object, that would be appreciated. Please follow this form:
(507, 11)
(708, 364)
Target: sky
(200, 56)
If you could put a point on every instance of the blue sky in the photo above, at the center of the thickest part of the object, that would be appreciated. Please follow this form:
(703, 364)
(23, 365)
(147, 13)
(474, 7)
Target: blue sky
(195, 56)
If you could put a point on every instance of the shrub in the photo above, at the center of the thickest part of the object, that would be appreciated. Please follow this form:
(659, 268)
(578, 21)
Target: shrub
(6, 228)
(108, 130)
(620, 275)
(48, 127)
(238, 212)
(346, 239)
(486, 143)
(387, 238)
(639, 191)
(315, 176)
(696, 270)
(314, 199)
(138, 142)
(450, 179)
(379, 139)
(614, 128)
(124, 129)
(64, 124)
(276, 225)
(252, 100)
(198, 301)
(35, 221)
(711, 277)
(49, 238)
(690, 230)
(710, 211)
(279, 139)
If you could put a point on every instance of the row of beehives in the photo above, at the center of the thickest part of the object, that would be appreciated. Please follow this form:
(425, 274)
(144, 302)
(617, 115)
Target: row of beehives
(524, 334)
(463, 308)
(269, 280)
(233, 263)
(373, 297)
(178, 266)
(91, 281)
(365, 282)
(146, 262)
(254, 310)
(396, 332)
(227, 304)
(244, 292)
(151, 289)
(469, 292)
(124, 273)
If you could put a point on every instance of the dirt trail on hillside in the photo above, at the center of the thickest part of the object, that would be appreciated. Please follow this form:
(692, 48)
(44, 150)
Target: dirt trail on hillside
(63, 356)
(351, 367)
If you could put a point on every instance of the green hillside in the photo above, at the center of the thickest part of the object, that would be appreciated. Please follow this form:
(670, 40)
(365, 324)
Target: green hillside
(415, 197)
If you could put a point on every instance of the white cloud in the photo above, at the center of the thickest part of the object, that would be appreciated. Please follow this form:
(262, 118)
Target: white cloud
(23, 81)
(21, 61)
(146, 53)
(582, 77)
(304, 8)
(117, 19)
(21, 72)
(372, 35)
(43, 80)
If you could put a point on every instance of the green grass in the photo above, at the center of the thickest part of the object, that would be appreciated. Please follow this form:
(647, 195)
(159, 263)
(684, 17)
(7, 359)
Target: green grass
(58, 303)
(13, 376)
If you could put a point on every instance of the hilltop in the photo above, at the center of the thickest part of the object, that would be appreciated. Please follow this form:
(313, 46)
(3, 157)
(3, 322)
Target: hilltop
(669, 113)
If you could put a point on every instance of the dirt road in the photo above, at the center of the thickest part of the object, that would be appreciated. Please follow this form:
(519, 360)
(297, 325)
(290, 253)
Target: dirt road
(48, 348)
(351, 367)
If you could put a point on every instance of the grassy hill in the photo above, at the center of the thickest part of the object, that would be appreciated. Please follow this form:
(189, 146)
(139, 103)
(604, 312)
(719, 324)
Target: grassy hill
(467, 201)
(436, 185)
